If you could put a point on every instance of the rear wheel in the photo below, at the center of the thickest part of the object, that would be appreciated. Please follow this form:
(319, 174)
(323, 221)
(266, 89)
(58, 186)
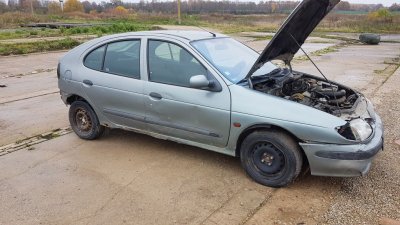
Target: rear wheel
(84, 121)
(271, 158)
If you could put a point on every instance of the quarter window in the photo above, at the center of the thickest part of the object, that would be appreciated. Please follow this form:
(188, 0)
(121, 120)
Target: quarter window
(171, 64)
(94, 60)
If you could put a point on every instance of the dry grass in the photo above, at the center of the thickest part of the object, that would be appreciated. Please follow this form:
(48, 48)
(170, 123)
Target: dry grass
(11, 20)
(358, 24)
(227, 23)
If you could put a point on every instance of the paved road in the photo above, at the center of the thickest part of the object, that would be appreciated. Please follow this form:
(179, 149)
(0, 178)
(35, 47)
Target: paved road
(134, 179)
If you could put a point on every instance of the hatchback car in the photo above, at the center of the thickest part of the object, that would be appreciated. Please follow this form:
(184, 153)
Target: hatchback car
(209, 90)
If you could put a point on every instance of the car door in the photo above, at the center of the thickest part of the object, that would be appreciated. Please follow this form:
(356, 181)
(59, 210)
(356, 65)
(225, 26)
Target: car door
(111, 80)
(175, 109)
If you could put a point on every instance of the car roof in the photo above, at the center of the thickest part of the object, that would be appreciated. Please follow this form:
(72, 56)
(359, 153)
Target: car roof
(188, 35)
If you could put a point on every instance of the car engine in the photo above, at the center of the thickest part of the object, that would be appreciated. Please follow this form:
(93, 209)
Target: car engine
(308, 90)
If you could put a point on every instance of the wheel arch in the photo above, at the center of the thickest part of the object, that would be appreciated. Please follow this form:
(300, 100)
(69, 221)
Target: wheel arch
(72, 98)
(259, 127)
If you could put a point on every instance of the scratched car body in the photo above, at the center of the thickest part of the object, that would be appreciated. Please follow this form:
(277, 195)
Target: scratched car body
(210, 91)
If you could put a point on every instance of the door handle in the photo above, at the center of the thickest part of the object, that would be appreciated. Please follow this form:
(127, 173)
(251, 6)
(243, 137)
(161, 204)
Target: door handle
(155, 95)
(88, 82)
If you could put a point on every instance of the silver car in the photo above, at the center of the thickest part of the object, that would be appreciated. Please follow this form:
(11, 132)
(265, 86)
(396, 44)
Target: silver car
(208, 90)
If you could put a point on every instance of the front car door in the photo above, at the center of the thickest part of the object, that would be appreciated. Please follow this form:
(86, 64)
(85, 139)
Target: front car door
(111, 79)
(173, 108)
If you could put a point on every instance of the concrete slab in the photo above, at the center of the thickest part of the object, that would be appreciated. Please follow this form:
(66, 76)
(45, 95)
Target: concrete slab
(22, 87)
(308, 47)
(123, 178)
(355, 65)
(24, 64)
(22, 119)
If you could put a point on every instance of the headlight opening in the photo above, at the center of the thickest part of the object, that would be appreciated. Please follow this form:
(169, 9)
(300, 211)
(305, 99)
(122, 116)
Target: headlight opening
(356, 129)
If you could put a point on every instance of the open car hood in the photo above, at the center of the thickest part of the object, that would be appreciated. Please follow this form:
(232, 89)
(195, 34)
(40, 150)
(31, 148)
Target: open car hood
(297, 27)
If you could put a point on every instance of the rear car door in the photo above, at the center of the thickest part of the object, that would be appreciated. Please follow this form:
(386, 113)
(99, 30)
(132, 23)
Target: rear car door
(175, 109)
(111, 80)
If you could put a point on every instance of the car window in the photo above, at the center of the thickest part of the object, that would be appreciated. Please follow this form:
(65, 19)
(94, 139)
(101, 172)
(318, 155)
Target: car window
(94, 60)
(122, 58)
(171, 64)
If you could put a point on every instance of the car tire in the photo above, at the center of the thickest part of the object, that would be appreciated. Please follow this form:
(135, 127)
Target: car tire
(271, 157)
(84, 121)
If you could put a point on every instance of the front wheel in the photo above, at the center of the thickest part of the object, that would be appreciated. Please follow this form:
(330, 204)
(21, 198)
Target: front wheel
(84, 121)
(271, 158)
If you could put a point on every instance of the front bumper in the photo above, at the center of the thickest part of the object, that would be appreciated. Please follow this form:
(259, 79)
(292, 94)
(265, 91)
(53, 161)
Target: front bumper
(344, 160)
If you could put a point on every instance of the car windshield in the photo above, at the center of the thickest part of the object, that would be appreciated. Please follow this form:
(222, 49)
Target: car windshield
(232, 58)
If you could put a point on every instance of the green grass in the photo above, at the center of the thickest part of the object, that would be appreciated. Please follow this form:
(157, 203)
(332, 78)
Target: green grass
(66, 43)
(28, 33)
(118, 27)
(42, 46)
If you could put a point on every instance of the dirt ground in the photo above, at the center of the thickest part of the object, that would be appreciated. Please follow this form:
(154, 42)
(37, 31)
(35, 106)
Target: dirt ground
(129, 178)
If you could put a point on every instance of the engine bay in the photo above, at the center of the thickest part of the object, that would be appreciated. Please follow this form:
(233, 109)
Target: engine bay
(308, 90)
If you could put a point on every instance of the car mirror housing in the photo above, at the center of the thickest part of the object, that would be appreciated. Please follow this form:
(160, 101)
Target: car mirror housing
(200, 81)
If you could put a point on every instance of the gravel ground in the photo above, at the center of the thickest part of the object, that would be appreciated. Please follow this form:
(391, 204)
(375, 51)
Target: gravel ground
(365, 200)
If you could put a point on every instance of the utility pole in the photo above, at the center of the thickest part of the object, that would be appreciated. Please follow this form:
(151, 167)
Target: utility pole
(31, 6)
(179, 12)
(62, 5)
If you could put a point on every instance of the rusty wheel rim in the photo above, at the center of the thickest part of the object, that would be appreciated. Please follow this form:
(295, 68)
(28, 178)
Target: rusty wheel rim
(83, 120)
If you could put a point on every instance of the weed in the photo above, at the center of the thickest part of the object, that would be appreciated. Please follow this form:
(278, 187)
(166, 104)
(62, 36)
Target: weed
(33, 32)
(40, 46)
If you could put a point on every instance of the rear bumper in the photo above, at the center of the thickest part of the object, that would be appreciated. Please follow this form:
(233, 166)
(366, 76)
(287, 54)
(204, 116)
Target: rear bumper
(64, 97)
(344, 160)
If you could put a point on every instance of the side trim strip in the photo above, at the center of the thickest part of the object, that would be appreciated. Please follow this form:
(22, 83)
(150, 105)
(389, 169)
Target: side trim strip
(125, 115)
(161, 123)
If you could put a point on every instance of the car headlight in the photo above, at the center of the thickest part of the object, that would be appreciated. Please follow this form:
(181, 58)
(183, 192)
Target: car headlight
(361, 129)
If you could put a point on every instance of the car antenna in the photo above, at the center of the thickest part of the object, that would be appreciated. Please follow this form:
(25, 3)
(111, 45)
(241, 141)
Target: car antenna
(213, 34)
(315, 65)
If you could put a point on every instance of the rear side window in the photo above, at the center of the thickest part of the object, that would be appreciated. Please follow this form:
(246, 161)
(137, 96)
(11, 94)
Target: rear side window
(122, 58)
(94, 60)
(119, 58)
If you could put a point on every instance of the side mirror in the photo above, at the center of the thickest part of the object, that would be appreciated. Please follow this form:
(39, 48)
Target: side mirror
(199, 81)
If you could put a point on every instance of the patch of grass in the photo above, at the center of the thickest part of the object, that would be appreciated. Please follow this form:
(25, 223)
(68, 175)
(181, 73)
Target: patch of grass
(29, 32)
(321, 52)
(260, 38)
(106, 29)
(391, 67)
(96, 30)
(325, 51)
(42, 46)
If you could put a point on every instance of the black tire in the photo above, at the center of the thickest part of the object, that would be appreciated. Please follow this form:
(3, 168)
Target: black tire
(272, 158)
(84, 121)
